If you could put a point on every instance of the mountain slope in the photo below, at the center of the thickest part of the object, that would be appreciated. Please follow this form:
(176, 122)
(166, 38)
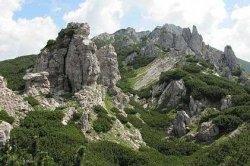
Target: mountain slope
(130, 98)
(244, 64)
(14, 70)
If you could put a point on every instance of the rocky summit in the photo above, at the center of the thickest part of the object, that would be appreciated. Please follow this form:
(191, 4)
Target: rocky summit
(160, 97)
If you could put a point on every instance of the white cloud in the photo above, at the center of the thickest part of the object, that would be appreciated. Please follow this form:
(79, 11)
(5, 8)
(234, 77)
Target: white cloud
(102, 15)
(22, 36)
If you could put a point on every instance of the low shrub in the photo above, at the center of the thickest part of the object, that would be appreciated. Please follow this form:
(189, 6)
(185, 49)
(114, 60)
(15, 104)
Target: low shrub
(227, 123)
(172, 75)
(104, 122)
(32, 101)
(122, 118)
(5, 117)
(131, 111)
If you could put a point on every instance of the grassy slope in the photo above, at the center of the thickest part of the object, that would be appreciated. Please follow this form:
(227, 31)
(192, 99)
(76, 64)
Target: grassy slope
(244, 64)
(14, 69)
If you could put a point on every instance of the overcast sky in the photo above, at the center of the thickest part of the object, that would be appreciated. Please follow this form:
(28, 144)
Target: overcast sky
(26, 25)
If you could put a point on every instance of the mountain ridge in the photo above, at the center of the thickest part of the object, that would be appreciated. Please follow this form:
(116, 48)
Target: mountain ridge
(128, 98)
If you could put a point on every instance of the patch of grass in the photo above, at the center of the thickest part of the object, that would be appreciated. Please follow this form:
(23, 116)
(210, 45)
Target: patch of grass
(32, 101)
(5, 117)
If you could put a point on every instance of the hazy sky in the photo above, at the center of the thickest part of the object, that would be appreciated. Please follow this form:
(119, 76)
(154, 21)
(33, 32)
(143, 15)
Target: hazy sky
(26, 25)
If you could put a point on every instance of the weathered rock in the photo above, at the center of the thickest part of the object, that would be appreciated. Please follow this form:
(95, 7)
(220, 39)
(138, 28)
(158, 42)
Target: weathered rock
(180, 123)
(196, 41)
(158, 89)
(229, 58)
(82, 66)
(85, 122)
(131, 57)
(208, 132)
(37, 84)
(5, 129)
(109, 66)
(235, 133)
(71, 62)
(13, 104)
(226, 102)
(68, 115)
(195, 107)
(173, 93)
(91, 96)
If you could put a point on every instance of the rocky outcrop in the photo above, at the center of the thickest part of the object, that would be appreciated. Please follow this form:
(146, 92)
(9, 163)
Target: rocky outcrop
(195, 107)
(196, 41)
(85, 122)
(207, 132)
(158, 89)
(173, 93)
(13, 104)
(5, 129)
(180, 123)
(107, 58)
(226, 102)
(68, 115)
(70, 61)
(37, 84)
(90, 96)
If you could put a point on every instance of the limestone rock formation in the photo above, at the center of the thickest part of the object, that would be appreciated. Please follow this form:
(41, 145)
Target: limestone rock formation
(5, 129)
(195, 107)
(107, 58)
(13, 104)
(207, 132)
(68, 115)
(82, 66)
(85, 121)
(226, 102)
(173, 93)
(37, 84)
(180, 123)
(70, 61)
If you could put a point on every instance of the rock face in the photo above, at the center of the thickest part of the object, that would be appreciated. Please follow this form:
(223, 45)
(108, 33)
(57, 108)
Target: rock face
(82, 66)
(226, 102)
(70, 61)
(207, 132)
(109, 66)
(68, 115)
(13, 104)
(37, 84)
(180, 123)
(85, 122)
(5, 129)
(173, 93)
(195, 107)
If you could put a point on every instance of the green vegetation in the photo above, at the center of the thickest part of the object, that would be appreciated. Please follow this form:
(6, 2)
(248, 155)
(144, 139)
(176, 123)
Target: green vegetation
(66, 32)
(13, 71)
(5, 117)
(32, 101)
(104, 122)
(122, 118)
(42, 138)
(244, 64)
(50, 43)
(227, 123)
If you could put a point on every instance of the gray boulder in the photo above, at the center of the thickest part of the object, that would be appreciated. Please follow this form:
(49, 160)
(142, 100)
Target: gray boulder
(208, 131)
(180, 123)
(85, 122)
(226, 102)
(5, 129)
(195, 107)
(173, 93)
(37, 84)
(110, 73)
